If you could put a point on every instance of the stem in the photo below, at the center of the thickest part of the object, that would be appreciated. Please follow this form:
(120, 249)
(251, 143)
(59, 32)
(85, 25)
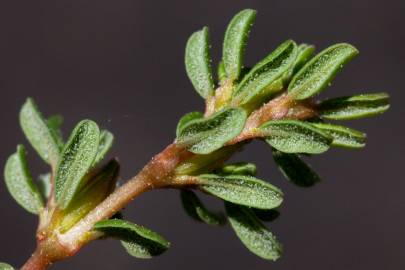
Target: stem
(37, 261)
(156, 174)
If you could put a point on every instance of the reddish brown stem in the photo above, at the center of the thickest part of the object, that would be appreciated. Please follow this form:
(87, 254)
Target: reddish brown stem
(37, 261)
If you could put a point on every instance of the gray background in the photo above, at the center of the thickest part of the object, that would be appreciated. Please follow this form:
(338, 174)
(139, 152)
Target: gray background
(121, 63)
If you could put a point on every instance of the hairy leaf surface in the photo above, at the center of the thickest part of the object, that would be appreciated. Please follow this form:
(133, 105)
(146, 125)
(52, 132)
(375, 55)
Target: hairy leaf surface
(41, 137)
(235, 42)
(139, 241)
(320, 70)
(198, 63)
(291, 136)
(195, 208)
(203, 136)
(77, 158)
(354, 107)
(20, 184)
(241, 189)
(253, 234)
(295, 169)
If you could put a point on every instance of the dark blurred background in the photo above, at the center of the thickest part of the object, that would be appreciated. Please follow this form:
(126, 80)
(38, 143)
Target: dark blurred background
(121, 63)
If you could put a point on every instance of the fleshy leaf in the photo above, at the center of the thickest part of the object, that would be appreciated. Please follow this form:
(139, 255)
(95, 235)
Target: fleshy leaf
(77, 158)
(257, 82)
(354, 107)
(203, 136)
(295, 169)
(197, 60)
(252, 233)
(241, 189)
(320, 70)
(235, 42)
(105, 144)
(221, 72)
(5, 266)
(139, 241)
(199, 164)
(44, 185)
(343, 136)
(95, 191)
(195, 208)
(20, 184)
(304, 53)
(239, 168)
(185, 119)
(291, 136)
(54, 124)
(38, 133)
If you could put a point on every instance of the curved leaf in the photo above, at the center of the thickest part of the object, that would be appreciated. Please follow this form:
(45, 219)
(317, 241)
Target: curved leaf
(291, 136)
(54, 123)
(295, 169)
(98, 187)
(221, 72)
(77, 158)
(38, 133)
(139, 241)
(239, 168)
(253, 234)
(304, 53)
(262, 75)
(343, 136)
(199, 164)
(197, 60)
(44, 185)
(235, 42)
(320, 70)
(185, 119)
(195, 208)
(203, 136)
(354, 107)
(5, 266)
(241, 189)
(19, 182)
(105, 144)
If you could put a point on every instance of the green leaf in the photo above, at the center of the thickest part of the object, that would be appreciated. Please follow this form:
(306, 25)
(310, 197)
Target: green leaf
(38, 133)
(241, 189)
(203, 136)
(221, 72)
(291, 136)
(354, 107)
(185, 119)
(198, 63)
(139, 241)
(235, 42)
(295, 169)
(105, 144)
(54, 123)
(77, 157)
(343, 136)
(5, 266)
(253, 234)
(257, 82)
(266, 215)
(195, 208)
(97, 188)
(320, 70)
(19, 182)
(304, 53)
(44, 185)
(239, 168)
(199, 164)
